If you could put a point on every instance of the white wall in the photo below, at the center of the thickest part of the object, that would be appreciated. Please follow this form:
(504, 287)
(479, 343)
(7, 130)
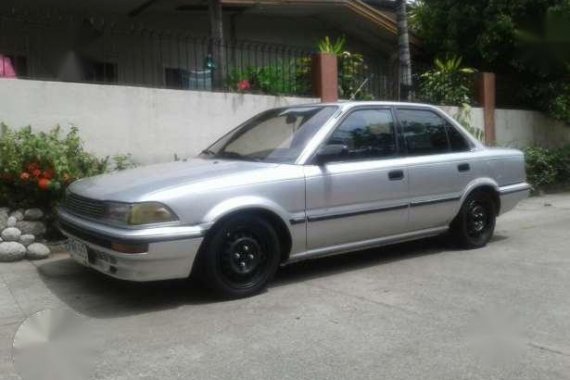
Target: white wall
(520, 128)
(154, 124)
(151, 124)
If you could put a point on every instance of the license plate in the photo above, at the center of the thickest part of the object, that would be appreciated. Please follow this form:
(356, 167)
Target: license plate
(78, 251)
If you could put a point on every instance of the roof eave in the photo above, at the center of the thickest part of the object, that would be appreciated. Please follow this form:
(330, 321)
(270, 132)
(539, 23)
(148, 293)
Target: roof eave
(364, 10)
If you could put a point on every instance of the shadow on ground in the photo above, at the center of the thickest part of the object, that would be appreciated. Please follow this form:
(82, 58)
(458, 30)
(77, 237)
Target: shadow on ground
(98, 296)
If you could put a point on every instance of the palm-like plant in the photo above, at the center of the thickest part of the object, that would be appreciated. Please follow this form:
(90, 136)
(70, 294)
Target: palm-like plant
(448, 83)
(327, 46)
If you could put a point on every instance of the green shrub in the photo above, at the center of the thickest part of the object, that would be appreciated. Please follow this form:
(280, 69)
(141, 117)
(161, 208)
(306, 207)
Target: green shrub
(280, 78)
(352, 76)
(448, 83)
(545, 167)
(559, 106)
(35, 168)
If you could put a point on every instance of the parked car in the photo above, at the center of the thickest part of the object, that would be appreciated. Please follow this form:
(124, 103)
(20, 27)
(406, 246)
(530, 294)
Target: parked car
(292, 184)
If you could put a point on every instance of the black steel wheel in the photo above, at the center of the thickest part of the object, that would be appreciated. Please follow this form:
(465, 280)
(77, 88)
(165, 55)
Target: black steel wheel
(239, 257)
(474, 225)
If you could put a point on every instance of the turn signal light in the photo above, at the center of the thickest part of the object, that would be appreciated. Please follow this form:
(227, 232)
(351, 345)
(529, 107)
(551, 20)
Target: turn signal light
(129, 248)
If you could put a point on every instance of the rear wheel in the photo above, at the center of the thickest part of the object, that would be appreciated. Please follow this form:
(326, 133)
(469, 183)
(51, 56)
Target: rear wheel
(240, 257)
(474, 225)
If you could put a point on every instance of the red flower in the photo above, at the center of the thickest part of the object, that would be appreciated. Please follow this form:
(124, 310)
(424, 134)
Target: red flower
(37, 173)
(25, 176)
(48, 174)
(244, 85)
(44, 184)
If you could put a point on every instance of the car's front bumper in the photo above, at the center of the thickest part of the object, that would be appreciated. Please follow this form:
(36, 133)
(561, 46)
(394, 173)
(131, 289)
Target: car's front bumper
(170, 255)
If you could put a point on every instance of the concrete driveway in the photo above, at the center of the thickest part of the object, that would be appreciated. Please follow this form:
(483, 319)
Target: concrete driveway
(415, 311)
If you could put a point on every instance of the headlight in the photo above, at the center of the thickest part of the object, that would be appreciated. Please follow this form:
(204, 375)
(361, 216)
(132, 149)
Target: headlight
(118, 212)
(136, 214)
(151, 212)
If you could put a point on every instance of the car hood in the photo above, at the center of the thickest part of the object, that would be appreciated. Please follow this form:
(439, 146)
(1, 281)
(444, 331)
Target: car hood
(136, 184)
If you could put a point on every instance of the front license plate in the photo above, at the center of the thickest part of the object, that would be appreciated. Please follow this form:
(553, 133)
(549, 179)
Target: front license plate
(78, 251)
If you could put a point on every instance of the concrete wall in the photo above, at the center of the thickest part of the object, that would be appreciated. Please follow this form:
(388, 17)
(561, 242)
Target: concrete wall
(154, 124)
(520, 128)
(151, 124)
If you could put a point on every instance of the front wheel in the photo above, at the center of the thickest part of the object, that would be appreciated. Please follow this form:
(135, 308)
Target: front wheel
(474, 225)
(240, 257)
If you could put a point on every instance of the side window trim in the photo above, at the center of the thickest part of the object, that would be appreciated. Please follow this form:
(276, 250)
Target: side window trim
(401, 141)
(397, 154)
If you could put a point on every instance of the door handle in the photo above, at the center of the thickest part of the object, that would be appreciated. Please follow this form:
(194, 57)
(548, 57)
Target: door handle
(463, 167)
(396, 175)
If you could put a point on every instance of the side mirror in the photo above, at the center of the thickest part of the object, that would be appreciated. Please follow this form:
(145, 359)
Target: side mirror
(330, 152)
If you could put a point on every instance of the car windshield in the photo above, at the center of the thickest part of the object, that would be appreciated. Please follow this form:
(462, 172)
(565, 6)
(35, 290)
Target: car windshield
(277, 135)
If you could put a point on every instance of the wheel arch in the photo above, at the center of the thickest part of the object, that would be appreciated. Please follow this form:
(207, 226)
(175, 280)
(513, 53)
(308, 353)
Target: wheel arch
(263, 208)
(486, 185)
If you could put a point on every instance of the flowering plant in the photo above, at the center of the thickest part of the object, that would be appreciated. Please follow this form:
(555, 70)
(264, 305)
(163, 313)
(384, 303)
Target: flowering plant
(244, 85)
(35, 168)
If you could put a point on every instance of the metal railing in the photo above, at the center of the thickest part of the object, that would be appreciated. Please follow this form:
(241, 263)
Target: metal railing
(362, 78)
(95, 50)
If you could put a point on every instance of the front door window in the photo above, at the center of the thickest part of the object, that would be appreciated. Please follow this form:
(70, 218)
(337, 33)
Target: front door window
(366, 134)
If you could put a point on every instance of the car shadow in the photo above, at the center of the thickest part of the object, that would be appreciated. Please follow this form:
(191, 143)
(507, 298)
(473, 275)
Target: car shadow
(332, 265)
(97, 296)
(498, 237)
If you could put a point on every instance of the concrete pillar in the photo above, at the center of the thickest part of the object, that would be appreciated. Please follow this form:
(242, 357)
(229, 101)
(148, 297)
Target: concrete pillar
(325, 77)
(487, 94)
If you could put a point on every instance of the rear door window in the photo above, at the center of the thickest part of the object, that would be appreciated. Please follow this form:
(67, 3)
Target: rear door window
(457, 141)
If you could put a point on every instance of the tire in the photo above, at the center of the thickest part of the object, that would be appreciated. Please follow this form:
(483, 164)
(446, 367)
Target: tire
(473, 227)
(240, 257)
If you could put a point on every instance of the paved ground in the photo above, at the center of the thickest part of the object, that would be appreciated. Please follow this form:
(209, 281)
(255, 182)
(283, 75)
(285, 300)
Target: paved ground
(415, 311)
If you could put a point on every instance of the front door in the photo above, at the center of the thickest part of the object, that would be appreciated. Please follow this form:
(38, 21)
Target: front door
(363, 193)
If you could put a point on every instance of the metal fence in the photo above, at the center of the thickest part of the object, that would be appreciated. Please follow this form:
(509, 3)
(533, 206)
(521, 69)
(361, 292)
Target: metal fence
(363, 78)
(95, 50)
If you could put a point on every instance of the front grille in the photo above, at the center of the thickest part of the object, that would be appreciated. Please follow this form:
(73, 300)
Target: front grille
(84, 235)
(82, 206)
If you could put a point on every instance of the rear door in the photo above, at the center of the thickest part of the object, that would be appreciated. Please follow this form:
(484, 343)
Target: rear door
(440, 166)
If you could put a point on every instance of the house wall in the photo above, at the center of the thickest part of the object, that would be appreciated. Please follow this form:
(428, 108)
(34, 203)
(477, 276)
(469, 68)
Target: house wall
(151, 124)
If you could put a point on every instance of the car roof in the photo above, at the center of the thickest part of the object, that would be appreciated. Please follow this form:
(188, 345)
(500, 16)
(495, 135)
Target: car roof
(345, 105)
(349, 104)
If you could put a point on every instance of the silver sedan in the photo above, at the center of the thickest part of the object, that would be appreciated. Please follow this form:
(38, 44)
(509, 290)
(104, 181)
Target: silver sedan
(292, 184)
